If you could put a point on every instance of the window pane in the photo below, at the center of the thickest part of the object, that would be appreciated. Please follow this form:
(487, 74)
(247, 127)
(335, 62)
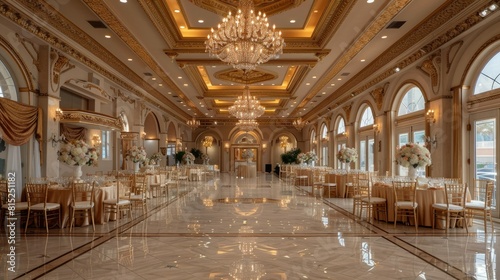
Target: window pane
(362, 155)
(105, 144)
(413, 101)
(367, 118)
(371, 162)
(341, 127)
(489, 78)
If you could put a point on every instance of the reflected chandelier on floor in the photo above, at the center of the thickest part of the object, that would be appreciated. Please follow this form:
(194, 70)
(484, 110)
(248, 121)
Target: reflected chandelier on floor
(245, 39)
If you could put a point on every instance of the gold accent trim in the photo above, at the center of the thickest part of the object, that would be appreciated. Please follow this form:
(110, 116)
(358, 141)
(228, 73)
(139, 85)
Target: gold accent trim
(91, 118)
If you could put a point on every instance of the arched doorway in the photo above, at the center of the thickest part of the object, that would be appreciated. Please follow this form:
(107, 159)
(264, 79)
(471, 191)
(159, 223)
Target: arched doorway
(244, 144)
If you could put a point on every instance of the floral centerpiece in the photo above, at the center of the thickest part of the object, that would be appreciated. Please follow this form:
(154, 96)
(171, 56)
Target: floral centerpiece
(136, 154)
(205, 158)
(77, 153)
(311, 156)
(347, 155)
(413, 155)
(302, 157)
(155, 158)
(188, 158)
(248, 153)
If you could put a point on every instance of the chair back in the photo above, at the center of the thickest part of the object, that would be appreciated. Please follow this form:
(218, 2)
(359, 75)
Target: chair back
(82, 192)
(455, 194)
(405, 191)
(330, 178)
(483, 191)
(36, 193)
(140, 184)
(123, 187)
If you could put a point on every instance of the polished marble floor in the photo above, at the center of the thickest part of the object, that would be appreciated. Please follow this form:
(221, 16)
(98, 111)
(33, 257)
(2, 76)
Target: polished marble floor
(249, 229)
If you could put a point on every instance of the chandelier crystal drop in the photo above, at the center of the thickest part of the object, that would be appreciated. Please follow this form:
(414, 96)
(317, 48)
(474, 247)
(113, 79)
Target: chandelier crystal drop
(247, 125)
(246, 107)
(245, 39)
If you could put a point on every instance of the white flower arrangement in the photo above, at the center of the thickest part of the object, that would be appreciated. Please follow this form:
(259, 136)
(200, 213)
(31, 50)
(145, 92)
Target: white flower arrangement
(347, 155)
(136, 154)
(414, 155)
(77, 153)
(311, 156)
(188, 158)
(155, 158)
(248, 153)
(302, 157)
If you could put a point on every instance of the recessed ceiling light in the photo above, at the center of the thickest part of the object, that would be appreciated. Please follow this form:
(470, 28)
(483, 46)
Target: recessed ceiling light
(339, 79)
(169, 92)
(189, 109)
(272, 84)
(180, 77)
(307, 84)
(177, 11)
(182, 26)
(107, 36)
(315, 11)
(362, 60)
(324, 92)
(123, 1)
(130, 59)
(185, 85)
(292, 21)
(160, 85)
(384, 37)
(291, 106)
(332, 85)
(314, 77)
(201, 21)
(370, 1)
(397, 69)
(154, 79)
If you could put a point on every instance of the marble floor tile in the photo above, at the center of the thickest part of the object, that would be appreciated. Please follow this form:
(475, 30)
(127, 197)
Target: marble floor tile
(250, 229)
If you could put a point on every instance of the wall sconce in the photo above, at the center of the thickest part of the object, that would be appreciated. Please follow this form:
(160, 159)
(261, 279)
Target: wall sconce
(375, 129)
(58, 114)
(325, 139)
(431, 141)
(429, 116)
(179, 144)
(264, 147)
(226, 147)
(96, 140)
(143, 135)
(56, 140)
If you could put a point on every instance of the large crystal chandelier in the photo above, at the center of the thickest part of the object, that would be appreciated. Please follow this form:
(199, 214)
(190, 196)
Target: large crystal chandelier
(245, 39)
(246, 107)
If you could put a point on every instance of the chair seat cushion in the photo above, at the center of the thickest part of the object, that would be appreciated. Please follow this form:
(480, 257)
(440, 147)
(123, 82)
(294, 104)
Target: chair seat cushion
(475, 204)
(375, 200)
(83, 205)
(137, 197)
(19, 206)
(406, 205)
(443, 206)
(48, 206)
(114, 202)
(330, 184)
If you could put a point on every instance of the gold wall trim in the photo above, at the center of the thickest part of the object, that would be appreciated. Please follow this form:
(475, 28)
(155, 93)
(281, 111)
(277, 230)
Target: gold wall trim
(91, 119)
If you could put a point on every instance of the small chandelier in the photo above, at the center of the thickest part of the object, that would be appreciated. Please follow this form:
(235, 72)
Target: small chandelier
(193, 123)
(245, 39)
(207, 141)
(299, 124)
(247, 125)
(246, 107)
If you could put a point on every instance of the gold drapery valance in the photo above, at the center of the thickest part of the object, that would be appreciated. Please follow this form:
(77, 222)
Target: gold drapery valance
(73, 133)
(19, 121)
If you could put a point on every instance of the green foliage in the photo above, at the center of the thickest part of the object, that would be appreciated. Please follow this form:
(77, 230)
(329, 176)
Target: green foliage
(196, 153)
(290, 156)
(178, 156)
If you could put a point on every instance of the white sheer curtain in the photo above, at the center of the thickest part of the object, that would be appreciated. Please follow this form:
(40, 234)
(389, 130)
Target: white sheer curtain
(35, 167)
(13, 165)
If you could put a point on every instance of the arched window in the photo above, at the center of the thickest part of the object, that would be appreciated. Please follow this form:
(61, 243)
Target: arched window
(7, 88)
(341, 127)
(340, 138)
(324, 144)
(313, 140)
(124, 119)
(413, 101)
(366, 140)
(489, 78)
(410, 127)
(366, 118)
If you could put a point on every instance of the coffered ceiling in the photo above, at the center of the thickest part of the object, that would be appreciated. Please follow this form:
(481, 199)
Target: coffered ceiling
(334, 49)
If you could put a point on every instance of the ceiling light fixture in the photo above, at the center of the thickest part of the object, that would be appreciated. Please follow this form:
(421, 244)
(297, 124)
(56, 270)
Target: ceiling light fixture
(245, 39)
(247, 125)
(193, 123)
(246, 107)
(299, 124)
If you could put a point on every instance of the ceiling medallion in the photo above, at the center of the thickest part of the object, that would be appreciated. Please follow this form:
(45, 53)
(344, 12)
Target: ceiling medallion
(245, 39)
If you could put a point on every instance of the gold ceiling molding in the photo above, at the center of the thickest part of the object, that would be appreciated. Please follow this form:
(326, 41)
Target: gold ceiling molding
(412, 38)
(92, 119)
(251, 77)
(380, 22)
(56, 20)
(90, 88)
(430, 66)
(336, 11)
(378, 96)
(221, 7)
(347, 110)
(114, 24)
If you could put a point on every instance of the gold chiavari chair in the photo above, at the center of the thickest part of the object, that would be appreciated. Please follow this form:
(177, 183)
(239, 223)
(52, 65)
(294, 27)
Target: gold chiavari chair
(453, 206)
(405, 205)
(9, 206)
(39, 206)
(83, 202)
(481, 202)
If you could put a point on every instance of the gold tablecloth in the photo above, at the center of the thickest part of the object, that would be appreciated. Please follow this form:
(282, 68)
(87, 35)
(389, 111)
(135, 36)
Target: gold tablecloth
(247, 171)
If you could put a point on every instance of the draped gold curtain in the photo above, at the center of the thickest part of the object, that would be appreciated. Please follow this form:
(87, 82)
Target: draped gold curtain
(19, 121)
(73, 133)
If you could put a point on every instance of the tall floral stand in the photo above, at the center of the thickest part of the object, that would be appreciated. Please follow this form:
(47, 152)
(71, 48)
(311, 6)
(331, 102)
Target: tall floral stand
(412, 172)
(77, 173)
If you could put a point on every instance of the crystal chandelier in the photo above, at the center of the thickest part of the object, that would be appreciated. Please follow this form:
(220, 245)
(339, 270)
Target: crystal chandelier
(299, 124)
(245, 39)
(193, 123)
(246, 107)
(247, 124)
